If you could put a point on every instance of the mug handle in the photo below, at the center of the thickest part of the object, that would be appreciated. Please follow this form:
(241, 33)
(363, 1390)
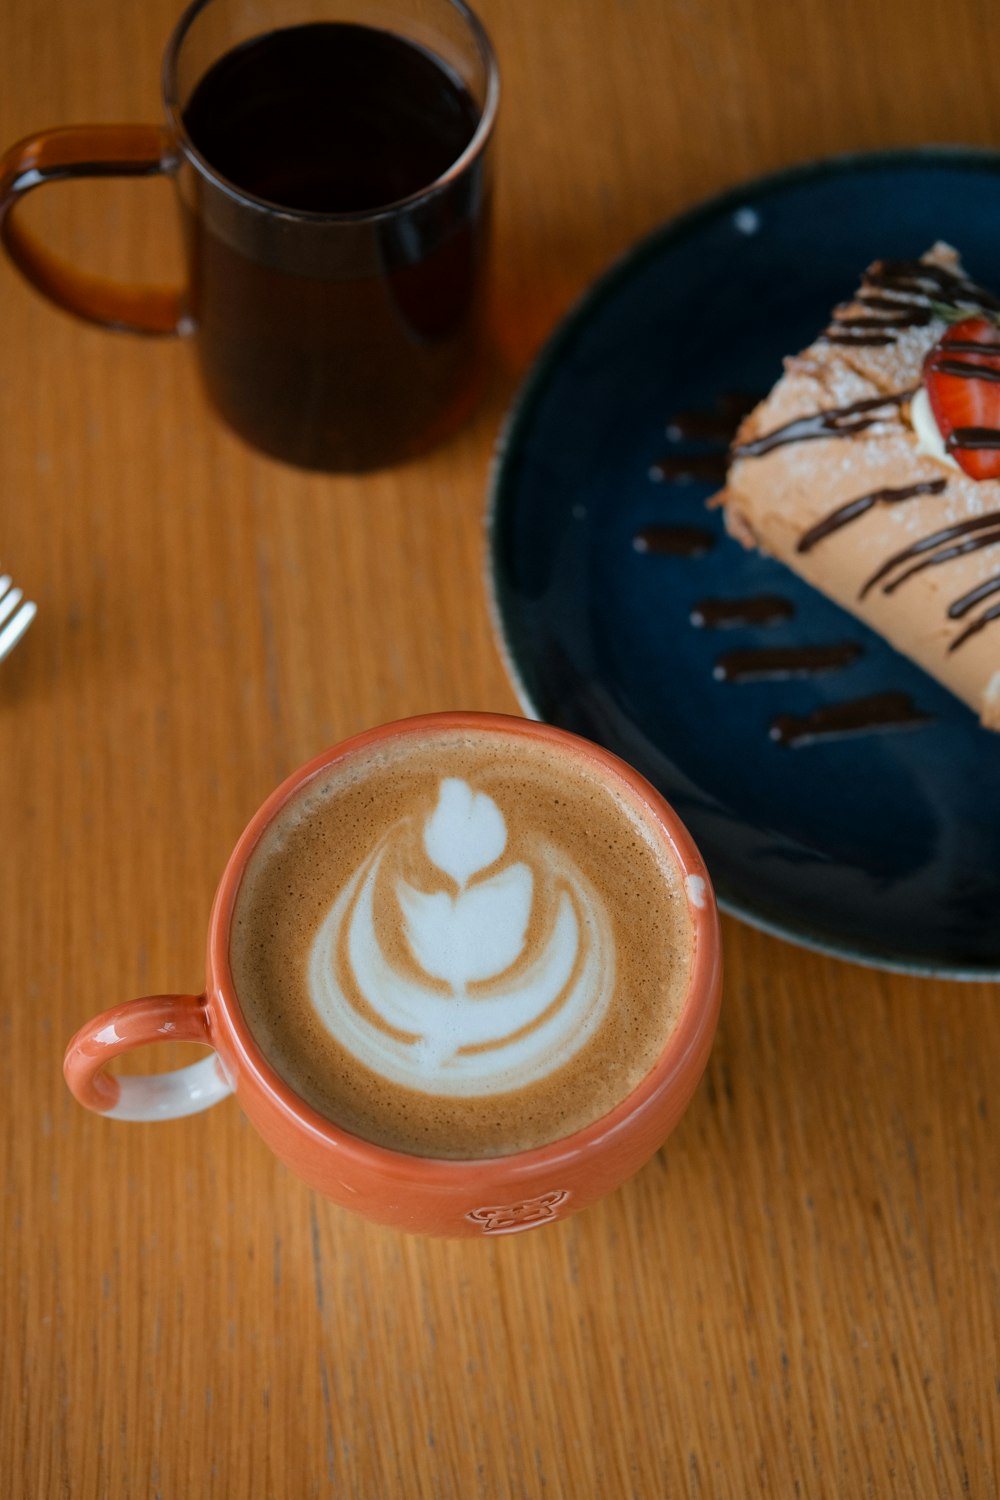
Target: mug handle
(88, 151)
(156, 1096)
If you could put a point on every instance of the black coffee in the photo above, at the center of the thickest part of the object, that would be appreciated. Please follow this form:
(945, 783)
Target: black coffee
(345, 345)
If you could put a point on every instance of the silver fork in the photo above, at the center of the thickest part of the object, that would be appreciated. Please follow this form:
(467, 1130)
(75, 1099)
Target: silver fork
(16, 614)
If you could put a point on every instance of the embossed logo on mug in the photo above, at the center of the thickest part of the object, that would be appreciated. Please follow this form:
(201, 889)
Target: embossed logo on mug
(510, 1218)
(448, 969)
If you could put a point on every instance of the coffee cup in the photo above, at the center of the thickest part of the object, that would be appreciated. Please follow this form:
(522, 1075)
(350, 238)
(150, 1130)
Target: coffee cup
(332, 166)
(463, 977)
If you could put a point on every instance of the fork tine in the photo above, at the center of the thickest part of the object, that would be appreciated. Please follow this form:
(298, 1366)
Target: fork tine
(9, 603)
(5, 583)
(15, 628)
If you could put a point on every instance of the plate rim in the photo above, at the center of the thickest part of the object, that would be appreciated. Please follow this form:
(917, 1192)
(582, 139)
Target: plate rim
(546, 360)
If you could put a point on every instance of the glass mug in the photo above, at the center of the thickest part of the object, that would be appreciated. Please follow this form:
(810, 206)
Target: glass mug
(334, 189)
(497, 1194)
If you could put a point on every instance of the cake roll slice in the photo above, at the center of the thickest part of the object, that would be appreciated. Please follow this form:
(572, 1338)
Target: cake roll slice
(872, 468)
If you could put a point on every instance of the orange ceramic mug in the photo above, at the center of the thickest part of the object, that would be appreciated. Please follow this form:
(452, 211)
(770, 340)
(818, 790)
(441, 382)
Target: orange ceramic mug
(498, 1194)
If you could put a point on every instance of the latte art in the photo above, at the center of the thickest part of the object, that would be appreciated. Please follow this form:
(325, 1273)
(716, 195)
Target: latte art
(497, 977)
(462, 943)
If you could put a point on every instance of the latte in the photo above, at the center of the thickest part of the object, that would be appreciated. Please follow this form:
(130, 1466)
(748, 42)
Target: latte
(462, 944)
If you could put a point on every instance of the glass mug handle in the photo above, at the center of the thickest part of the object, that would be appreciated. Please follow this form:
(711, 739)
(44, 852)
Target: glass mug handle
(156, 1096)
(88, 151)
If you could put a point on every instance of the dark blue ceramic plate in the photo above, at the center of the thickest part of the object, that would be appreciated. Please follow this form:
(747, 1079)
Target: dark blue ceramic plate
(884, 849)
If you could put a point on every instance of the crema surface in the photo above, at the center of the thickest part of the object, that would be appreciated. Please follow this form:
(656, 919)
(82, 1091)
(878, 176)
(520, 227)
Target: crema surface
(461, 945)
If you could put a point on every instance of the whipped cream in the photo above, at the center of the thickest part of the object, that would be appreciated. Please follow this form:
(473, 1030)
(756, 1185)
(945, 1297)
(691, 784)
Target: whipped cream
(927, 431)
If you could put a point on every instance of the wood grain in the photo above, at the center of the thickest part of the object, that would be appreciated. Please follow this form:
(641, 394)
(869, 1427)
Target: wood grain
(799, 1295)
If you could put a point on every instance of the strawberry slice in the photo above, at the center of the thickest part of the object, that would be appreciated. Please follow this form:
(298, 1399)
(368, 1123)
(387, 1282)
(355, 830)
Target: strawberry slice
(962, 378)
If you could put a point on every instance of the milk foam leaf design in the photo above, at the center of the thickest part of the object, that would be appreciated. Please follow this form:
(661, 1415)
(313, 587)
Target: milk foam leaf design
(447, 1023)
(466, 831)
(473, 935)
(553, 979)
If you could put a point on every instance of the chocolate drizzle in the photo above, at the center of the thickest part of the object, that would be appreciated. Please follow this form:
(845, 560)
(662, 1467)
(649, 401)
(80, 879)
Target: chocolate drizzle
(868, 340)
(880, 712)
(854, 508)
(906, 317)
(967, 346)
(888, 304)
(963, 369)
(946, 554)
(674, 541)
(980, 363)
(756, 664)
(874, 331)
(715, 425)
(835, 421)
(920, 292)
(973, 597)
(726, 614)
(939, 545)
(929, 283)
(974, 626)
(972, 438)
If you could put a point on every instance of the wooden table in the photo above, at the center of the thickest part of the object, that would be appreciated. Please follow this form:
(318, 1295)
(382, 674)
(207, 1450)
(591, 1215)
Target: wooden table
(799, 1295)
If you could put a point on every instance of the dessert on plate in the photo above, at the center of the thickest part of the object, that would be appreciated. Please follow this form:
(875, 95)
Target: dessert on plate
(873, 468)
